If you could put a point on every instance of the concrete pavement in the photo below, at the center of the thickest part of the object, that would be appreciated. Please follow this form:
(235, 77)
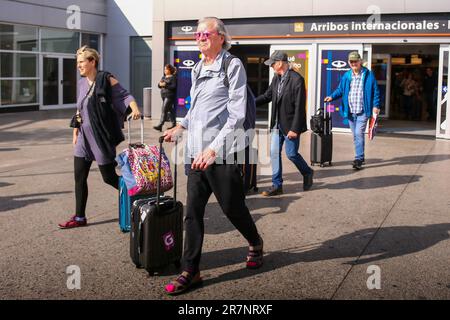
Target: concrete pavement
(394, 214)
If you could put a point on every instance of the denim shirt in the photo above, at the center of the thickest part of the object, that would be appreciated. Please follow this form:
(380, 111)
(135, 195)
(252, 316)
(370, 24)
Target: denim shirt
(216, 111)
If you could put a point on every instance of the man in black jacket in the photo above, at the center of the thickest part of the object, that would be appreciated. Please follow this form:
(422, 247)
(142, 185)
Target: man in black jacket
(288, 120)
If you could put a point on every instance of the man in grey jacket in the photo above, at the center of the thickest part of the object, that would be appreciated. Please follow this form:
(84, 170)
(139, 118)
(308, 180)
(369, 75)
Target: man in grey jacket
(217, 112)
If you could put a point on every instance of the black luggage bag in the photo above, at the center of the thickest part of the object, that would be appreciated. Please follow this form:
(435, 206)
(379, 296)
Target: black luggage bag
(248, 169)
(156, 237)
(321, 138)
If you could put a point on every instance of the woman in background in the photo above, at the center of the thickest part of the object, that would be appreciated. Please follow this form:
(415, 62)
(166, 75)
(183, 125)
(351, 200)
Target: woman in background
(168, 86)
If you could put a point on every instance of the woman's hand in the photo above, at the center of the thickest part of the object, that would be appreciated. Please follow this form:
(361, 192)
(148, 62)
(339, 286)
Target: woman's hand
(135, 113)
(75, 136)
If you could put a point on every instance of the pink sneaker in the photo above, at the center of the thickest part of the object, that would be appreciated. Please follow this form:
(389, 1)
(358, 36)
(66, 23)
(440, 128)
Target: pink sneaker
(73, 223)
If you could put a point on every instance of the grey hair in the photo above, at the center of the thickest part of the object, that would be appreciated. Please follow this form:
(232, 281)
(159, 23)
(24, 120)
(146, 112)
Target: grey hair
(220, 28)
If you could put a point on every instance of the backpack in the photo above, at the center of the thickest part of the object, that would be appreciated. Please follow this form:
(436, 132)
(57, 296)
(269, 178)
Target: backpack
(250, 114)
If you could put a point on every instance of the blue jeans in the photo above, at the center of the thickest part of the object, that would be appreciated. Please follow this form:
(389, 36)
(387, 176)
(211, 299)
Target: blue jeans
(358, 123)
(292, 153)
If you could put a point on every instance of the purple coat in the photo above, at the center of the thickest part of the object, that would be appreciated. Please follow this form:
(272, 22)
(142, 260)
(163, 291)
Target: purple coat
(86, 146)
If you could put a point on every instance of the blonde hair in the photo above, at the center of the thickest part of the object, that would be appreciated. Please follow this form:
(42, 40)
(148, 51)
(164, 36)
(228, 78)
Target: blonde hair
(89, 54)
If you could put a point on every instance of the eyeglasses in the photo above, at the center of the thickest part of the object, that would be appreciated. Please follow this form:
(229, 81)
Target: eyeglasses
(204, 34)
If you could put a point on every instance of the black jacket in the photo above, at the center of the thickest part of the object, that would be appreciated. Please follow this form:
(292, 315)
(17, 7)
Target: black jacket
(170, 89)
(291, 105)
(104, 120)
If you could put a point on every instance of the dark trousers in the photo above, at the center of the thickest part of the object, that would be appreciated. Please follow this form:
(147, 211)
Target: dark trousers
(225, 181)
(167, 110)
(81, 171)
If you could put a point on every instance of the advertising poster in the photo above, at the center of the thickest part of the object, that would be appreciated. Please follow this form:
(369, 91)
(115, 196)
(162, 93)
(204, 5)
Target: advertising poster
(333, 66)
(184, 61)
(300, 59)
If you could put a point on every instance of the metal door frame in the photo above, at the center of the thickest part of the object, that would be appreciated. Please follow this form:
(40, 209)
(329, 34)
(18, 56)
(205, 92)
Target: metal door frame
(445, 125)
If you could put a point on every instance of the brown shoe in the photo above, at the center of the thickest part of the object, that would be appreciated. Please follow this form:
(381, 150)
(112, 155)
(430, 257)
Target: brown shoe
(272, 192)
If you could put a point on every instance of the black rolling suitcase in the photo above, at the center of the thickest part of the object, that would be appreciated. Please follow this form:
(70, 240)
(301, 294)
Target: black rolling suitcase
(248, 169)
(156, 237)
(321, 138)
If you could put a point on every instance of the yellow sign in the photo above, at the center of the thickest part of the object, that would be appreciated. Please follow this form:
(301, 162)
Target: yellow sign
(299, 27)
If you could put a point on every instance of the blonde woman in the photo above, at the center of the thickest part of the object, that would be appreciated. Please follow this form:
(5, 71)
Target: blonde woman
(102, 105)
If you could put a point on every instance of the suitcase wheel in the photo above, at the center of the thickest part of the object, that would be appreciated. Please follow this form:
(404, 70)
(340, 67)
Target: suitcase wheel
(151, 273)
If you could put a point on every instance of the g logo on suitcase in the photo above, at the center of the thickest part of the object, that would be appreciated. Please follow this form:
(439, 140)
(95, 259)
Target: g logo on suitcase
(169, 240)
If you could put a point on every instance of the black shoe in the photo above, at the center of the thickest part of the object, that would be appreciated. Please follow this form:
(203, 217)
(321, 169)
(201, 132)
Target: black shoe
(159, 128)
(357, 164)
(273, 192)
(308, 181)
(172, 126)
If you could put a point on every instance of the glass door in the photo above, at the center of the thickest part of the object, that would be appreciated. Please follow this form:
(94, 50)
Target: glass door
(381, 67)
(50, 80)
(333, 64)
(59, 82)
(69, 81)
(442, 123)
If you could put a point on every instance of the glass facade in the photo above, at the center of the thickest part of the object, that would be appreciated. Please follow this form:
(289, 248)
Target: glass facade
(18, 65)
(61, 41)
(24, 48)
(19, 38)
(91, 40)
(19, 92)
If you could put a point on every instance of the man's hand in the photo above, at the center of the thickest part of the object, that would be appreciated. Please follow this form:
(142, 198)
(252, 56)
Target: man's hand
(171, 134)
(75, 136)
(204, 160)
(292, 135)
(327, 99)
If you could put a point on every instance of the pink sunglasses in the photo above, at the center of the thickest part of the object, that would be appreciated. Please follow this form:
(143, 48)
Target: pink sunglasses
(205, 34)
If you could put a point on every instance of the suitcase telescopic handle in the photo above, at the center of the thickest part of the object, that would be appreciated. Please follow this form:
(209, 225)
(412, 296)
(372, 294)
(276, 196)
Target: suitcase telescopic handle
(142, 129)
(329, 125)
(158, 188)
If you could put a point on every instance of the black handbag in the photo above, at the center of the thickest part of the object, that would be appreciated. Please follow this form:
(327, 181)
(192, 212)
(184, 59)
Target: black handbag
(75, 122)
